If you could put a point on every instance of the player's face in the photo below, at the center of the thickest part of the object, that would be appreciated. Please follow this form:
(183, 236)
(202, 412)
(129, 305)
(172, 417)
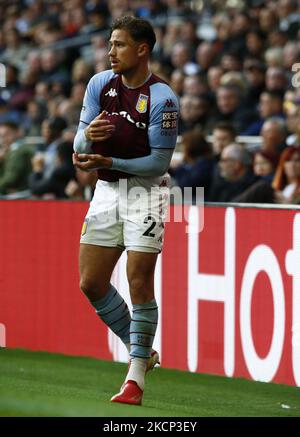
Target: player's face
(123, 53)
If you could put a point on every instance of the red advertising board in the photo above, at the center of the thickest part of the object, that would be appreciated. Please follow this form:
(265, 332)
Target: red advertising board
(229, 296)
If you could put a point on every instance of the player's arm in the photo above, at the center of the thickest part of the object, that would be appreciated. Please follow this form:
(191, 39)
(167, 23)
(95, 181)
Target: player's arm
(155, 164)
(92, 125)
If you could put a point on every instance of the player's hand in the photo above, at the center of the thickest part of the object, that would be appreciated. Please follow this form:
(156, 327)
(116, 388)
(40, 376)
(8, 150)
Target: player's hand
(90, 162)
(99, 129)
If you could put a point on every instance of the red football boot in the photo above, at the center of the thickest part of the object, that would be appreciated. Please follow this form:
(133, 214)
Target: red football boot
(130, 393)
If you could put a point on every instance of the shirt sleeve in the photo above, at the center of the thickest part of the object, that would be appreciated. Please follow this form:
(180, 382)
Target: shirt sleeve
(163, 123)
(90, 109)
(155, 164)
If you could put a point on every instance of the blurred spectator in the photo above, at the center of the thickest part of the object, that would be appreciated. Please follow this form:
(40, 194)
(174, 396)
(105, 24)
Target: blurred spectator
(194, 112)
(81, 71)
(42, 92)
(288, 12)
(255, 43)
(235, 174)
(188, 34)
(55, 184)
(274, 57)
(277, 38)
(236, 79)
(230, 61)
(171, 35)
(223, 134)
(267, 20)
(89, 52)
(291, 55)
(158, 49)
(69, 133)
(15, 51)
(230, 108)
(53, 68)
(117, 8)
(197, 164)
(287, 177)
(12, 84)
(264, 164)
(25, 92)
(33, 62)
(214, 76)
(8, 114)
(181, 57)
(177, 81)
(293, 125)
(82, 186)
(222, 25)
(273, 134)
(96, 17)
(194, 85)
(45, 158)
(255, 76)
(271, 105)
(276, 79)
(205, 55)
(69, 109)
(160, 70)
(240, 29)
(15, 159)
(35, 114)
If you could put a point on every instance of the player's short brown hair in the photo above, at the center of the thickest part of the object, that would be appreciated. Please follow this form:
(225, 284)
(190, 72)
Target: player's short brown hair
(139, 29)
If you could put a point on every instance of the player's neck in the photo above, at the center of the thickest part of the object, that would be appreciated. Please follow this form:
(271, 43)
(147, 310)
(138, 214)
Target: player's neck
(137, 78)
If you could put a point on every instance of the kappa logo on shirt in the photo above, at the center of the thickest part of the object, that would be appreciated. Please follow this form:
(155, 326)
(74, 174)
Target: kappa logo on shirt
(169, 103)
(111, 93)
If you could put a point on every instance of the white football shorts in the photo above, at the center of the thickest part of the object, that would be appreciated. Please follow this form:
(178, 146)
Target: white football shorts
(128, 214)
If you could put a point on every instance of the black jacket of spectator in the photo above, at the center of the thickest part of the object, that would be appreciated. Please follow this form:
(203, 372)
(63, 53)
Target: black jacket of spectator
(194, 175)
(225, 191)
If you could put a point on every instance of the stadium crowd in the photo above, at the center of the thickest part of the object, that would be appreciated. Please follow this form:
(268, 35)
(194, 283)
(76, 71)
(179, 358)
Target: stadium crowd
(235, 65)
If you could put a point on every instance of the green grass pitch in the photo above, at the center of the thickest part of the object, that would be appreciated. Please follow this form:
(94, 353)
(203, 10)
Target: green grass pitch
(42, 384)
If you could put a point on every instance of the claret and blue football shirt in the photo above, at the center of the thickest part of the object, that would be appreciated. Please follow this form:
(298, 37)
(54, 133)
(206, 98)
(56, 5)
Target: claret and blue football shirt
(145, 117)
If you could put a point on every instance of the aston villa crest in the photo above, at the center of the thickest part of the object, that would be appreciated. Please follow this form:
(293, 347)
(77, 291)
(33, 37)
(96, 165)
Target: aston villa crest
(141, 105)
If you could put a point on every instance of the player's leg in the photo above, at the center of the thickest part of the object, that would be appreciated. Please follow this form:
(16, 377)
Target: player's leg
(140, 273)
(100, 249)
(96, 264)
(143, 237)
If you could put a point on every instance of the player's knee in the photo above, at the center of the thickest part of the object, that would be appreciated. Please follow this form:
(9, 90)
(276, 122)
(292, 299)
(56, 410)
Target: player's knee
(138, 284)
(141, 287)
(91, 288)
